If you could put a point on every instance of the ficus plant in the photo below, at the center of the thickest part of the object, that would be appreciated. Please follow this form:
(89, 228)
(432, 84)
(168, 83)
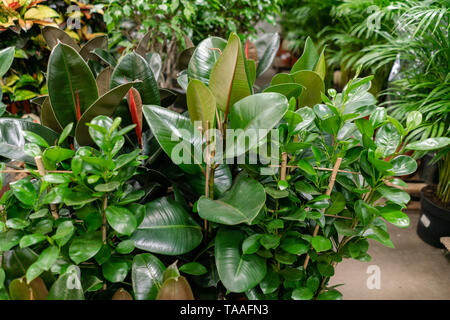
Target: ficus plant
(99, 239)
(280, 235)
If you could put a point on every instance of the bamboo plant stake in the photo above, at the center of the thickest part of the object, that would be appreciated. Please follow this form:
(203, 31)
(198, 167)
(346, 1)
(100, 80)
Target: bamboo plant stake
(329, 190)
(43, 172)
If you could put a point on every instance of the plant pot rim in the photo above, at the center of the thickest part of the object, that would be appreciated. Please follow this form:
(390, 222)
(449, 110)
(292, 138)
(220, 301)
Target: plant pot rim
(431, 202)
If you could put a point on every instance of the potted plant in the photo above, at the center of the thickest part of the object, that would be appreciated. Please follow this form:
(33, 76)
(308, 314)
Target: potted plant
(280, 236)
(434, 221)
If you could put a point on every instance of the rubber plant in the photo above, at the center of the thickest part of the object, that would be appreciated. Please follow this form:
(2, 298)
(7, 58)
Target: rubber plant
(98, 240)
(280, 236)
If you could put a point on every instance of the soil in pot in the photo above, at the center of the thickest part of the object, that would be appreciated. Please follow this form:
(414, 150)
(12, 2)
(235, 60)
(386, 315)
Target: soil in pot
(434, 221)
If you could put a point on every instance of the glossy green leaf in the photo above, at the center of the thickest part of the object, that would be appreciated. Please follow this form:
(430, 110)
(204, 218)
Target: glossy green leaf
(115, 269)
(201, 104)
(255, 116)
(313, 87)
(228, 80)
(31, 239)
(302, 293)
(70, 84)
(175, 133)
(238, 272)
(68, 286)
(6, 59)
(403, 165)
(378, 117)
(235, 206)
(396, 217)
(320, 243)
(251, 244)
(364, 211)
(204, 58)
(309, 58)
(133, 67)
(267, 46)
(46, 259)
(147, 275)
(104, 105)
(12, 139)
(167, 229)
(48, 117)
(388, 138)
(121, 219)
(58, 154)
(395, 195)
(54, 35)
(85, 246)
(429, 144)
(413, 120)
(64, 232)
(193, 268)
(24, 191)
(289, 90)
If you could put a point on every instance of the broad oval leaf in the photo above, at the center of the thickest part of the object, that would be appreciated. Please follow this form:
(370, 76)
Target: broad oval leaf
(6, 59)
(228, 80)
(167, 229)
(68, 286)
(121, 219)
(387, 138)
(238, 272)
(289, 90)
(267, 47)
(235, 206)
(147, 275)
(96, 42)
(313, 87)
(54, 35)
(105, 105)
(175, 133)
(204, 58)
(201, 104)
(134, 67)
(254, 116)
(403, 165)
(48, 117)
(85, 246)
(12, 138)
(429, 144)
(71, 84)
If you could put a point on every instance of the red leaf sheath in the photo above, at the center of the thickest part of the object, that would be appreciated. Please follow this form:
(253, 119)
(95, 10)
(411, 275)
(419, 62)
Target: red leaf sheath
(78, 107)
(247, 44)
(134, 117)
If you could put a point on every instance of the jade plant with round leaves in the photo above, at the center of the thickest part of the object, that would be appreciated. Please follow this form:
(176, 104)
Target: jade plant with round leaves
(92, 241)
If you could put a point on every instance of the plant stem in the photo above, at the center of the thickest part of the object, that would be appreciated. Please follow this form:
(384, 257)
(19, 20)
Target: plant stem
(105, 205)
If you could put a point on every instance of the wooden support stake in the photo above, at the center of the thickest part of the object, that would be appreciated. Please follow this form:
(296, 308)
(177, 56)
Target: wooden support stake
(207, 177)
(283, 166)
(104, 222)
(329, 190)
(43, 172)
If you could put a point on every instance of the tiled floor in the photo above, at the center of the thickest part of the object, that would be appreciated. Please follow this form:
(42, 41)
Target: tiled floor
(413, 270)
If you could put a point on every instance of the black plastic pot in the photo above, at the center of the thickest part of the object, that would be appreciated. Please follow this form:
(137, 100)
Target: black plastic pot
(434, 221)
(428, 173)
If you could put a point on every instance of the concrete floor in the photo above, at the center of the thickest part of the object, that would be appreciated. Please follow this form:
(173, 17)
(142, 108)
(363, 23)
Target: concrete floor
(412, 270)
